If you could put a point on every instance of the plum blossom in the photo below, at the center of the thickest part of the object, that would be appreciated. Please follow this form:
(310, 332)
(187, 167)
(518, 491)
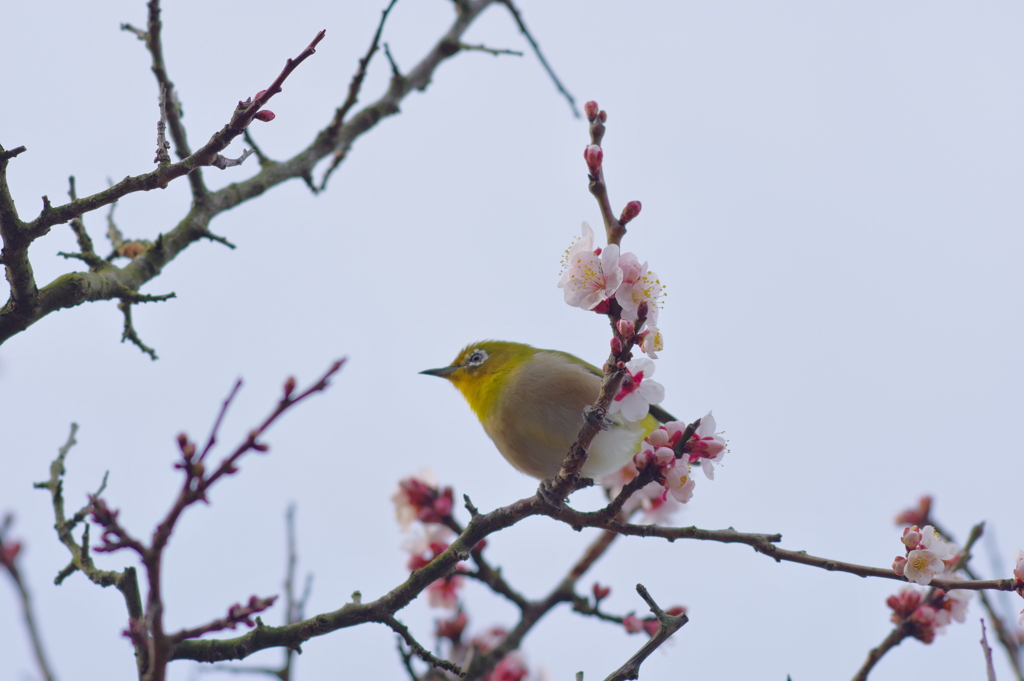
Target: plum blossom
(706, 446)
(652, 498)
(591, 276)
(652, 341)
(426, 544)
(922, 566)
(511, 668)
(916, 516)
(443, 593)
(1018, 565)
(926, 619)
(927, 555)
(638, 391)
(633, 624)
(452, 629)
(638, 285)
(679, 482)
(933, 542)
(956, 604)
(418, 497)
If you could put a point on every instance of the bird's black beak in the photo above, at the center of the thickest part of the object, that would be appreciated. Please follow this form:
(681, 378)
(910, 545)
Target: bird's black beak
(443, 372)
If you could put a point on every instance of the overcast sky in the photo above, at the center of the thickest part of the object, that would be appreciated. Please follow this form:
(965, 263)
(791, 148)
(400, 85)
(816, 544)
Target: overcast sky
(831, 193)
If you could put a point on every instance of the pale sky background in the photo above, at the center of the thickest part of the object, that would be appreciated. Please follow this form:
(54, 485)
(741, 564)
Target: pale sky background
(831, 192)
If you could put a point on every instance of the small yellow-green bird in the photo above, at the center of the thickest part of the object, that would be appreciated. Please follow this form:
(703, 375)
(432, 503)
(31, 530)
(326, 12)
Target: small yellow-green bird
(531, 403)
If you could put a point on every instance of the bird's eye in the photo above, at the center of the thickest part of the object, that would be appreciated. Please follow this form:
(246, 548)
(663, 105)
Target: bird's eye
(476, 359)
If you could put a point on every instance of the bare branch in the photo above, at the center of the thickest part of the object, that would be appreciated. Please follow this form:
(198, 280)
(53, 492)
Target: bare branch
(162, 145)
(989, 668)
(419, 650)
(9, 550)
(667, 625)
(536, 49)
(126, 581)
(489, 50)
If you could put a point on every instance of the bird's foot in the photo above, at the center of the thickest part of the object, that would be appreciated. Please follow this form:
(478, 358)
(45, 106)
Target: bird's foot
(546, 491)
(591, 413)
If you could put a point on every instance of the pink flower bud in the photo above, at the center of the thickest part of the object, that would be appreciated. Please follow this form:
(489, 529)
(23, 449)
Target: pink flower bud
(616, 345)
(625, 328)
(260, 94)
(10, 551)
(633, 624)
(631, 210)
(593, 156)
(899, 564)
(591, 109)
(600, 591)
(911, 537)
(676, 610)
(265, 116)
(603, 116)
(651, 626)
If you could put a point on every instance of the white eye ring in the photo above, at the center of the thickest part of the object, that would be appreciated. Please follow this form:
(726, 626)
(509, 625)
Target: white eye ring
(476, 358)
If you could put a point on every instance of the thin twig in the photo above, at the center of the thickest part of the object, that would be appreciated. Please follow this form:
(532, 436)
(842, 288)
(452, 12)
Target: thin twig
(536, 49)
(9, 563)
(489, 50)
(667, 625)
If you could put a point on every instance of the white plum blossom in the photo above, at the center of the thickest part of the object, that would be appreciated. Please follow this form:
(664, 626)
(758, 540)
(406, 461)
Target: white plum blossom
(679, 482)
(591, 276)
(957, 602)
(933, 542)
(639, 285)
(638, 391)
(425, 537)
(652, 341)
(922, 565)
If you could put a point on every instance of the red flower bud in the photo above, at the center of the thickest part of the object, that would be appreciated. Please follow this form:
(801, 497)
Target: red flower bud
(601, 591)
(593, 155)
(625, 328)
(265, 116)
(591, 110)
(616, 345)
(260, 94)
(631, 210)
(603, 116)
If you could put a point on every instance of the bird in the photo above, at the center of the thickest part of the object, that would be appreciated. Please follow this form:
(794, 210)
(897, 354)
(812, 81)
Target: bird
(531, 402)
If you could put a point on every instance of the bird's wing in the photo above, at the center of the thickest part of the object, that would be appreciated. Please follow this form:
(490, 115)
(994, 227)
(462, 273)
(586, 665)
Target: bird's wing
(655, 411)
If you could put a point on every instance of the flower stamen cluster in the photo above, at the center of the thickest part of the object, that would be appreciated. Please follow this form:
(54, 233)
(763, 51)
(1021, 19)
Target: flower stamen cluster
(927, 555)
(594, 278)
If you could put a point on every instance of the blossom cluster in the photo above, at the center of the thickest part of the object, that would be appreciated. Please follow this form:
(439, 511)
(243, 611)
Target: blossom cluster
(419, 497)
(593, 277)
(673, 481)
(927, 555)
(422, 507)
(925, 620)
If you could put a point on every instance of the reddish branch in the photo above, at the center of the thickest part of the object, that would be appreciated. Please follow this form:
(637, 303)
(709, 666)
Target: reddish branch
(9, 550)
(146, 627)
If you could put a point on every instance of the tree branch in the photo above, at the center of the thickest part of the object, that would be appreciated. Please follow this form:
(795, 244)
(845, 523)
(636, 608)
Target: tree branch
(667, 625)
(28, 305)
